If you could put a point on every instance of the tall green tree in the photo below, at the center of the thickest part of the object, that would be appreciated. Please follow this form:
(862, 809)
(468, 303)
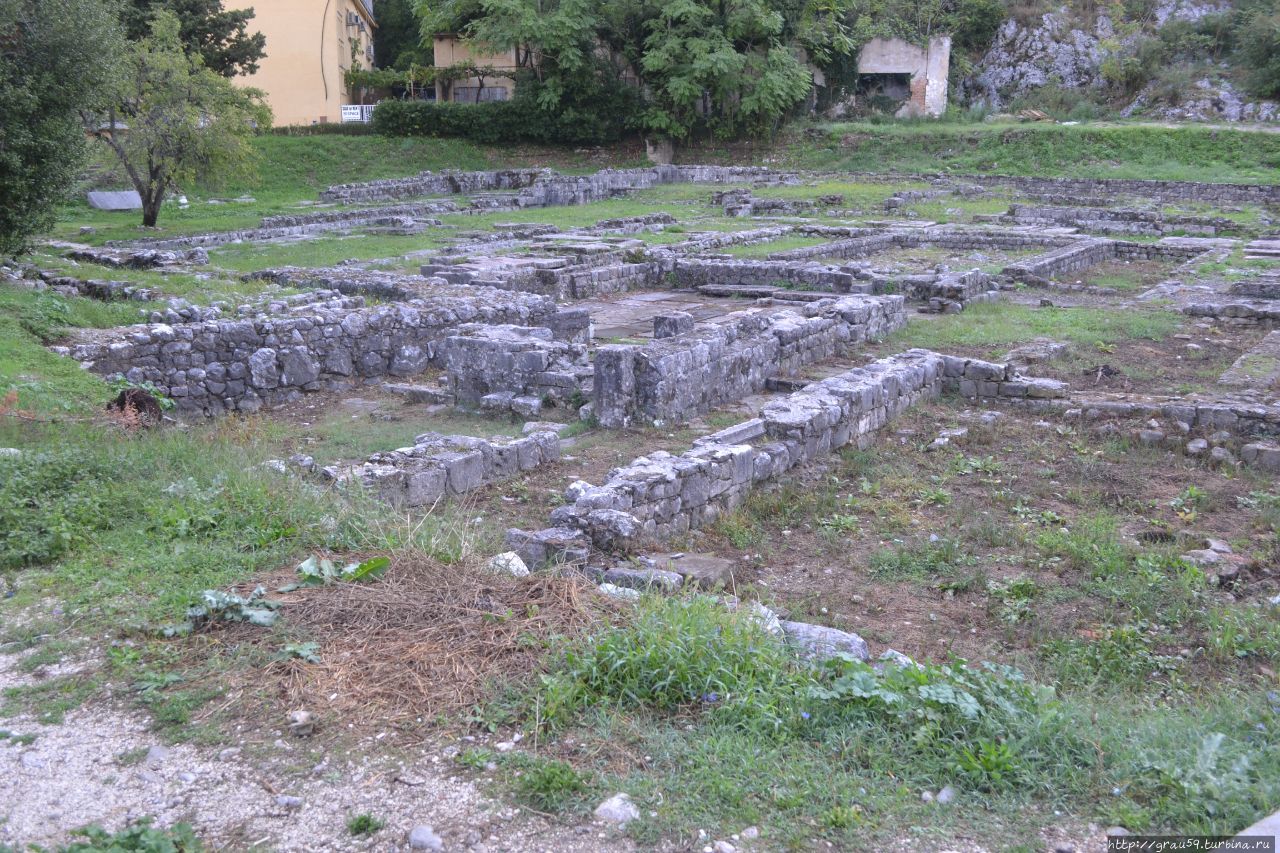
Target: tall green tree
(182, 121)
(397, 41)
(221, 37)
(722, 65)
(57, 58)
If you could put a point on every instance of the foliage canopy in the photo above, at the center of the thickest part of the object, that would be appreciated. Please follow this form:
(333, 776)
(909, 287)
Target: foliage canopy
(221, 37)
(46, 43)
(174, 120)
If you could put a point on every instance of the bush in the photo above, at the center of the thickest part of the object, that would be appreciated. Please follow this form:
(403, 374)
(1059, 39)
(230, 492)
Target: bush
(534, 115)
(48, 503)
(1259, 40)
(679, 654)
(141, 837)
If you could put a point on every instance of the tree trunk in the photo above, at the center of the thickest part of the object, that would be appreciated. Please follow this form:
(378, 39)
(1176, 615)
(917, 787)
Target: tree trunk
(151, 202)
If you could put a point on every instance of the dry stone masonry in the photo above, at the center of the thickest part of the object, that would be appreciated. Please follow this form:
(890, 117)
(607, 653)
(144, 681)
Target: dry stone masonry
(216, 366)
(513, 368)
(678, 377)
(437, 466)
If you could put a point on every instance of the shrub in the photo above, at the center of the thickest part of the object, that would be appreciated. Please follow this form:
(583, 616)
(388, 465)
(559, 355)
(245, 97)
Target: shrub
(534, 115)
(1259, 38)
(48, 503)
(364, 824)
(551, 786)
(681, 653)
(140, 837)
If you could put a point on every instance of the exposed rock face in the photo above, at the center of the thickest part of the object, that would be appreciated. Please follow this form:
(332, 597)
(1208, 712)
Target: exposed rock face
(1024, 58)
(1060, 47)
(1211, 98)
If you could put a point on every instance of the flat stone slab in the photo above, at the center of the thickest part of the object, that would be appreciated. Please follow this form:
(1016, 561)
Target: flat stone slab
(817, 642)
(115, 200)
(704, 570)
(1257, 368)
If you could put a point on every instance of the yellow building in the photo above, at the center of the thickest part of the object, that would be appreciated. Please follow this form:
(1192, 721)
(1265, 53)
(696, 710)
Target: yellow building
(451, 49)
(310, 46)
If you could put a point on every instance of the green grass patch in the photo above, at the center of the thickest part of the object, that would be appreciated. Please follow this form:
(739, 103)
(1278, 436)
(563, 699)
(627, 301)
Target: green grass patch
(324, 251)
(750, 735)
(997, 326)
(1084, 151)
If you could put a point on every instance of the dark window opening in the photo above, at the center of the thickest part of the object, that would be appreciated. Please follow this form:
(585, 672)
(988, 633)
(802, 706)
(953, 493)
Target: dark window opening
(883, 92)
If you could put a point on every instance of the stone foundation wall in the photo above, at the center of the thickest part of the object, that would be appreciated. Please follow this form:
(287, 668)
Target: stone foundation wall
(403, 216)
(1268, 194)
(677, 378)
(693, 272)
(1114, 221)
(544, 187)
(241, 365)
(512, 361)
(1081, 255)
(661, 496)
(442, 466)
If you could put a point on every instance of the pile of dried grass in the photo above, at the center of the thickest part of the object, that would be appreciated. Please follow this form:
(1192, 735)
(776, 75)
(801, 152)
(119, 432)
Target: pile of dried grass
(431, 639)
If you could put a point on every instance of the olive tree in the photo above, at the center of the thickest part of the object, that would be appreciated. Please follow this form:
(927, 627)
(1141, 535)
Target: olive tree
(174, 120)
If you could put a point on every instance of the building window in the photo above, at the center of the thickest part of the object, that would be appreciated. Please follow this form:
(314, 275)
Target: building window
(477, 95)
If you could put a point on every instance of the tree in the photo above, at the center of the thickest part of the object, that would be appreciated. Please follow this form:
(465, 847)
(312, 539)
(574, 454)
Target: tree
(722, 65)
(43, 45)
(180, 121)
(397, 41)
(221, 37)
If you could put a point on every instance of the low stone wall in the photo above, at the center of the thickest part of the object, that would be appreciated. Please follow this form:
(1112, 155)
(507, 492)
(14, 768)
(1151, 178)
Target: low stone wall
(544, 187)
(1267, 194)
(989, 380)
(1114, 220)
(676, 378)
(512, 367)
(948, 292)
(661, 496)
(1262, 287)
(1263, 312)
(693, 272)
(438, 466)
(403, 217)
(1081, 255)
(241, 365)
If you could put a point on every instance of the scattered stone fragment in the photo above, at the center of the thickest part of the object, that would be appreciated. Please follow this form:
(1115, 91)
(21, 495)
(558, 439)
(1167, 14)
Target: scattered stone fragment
(704, 570)
(817, 642)
(285, 801)
(301, 723)
(618, 809)
(642, 579)
(1222, 456)
(508, 563)
(620, 592)
(424, 837)
(1197, 447)
(946, 795)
